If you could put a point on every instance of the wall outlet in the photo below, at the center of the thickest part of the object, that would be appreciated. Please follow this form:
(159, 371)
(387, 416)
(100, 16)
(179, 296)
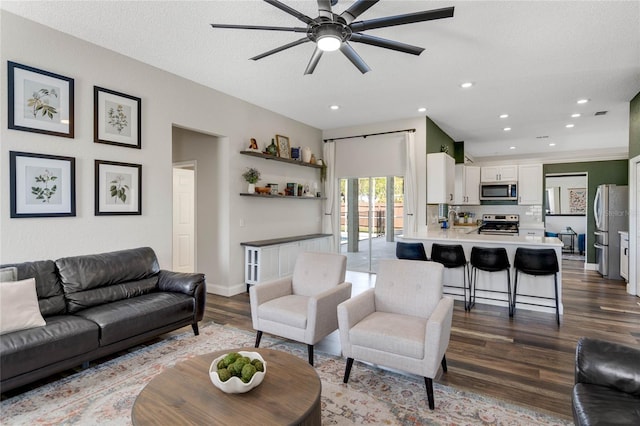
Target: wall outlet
(241, 223)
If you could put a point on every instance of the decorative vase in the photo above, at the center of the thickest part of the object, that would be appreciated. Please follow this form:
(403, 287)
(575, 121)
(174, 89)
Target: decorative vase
(272, 149)
(252, 188)
(306, 154)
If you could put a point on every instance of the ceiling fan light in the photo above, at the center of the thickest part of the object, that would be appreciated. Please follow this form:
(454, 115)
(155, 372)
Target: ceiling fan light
(329, 43)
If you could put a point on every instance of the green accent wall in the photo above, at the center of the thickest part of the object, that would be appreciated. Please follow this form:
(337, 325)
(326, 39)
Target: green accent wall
(598, 172)
(634, 126)
(436, 138)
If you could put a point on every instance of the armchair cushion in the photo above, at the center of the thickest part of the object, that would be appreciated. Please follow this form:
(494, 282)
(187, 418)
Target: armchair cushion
(314, 273)
(290, 310)
(386, 332)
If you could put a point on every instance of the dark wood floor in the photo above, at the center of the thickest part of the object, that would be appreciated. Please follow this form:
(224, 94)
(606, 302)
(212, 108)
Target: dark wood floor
(527, 360)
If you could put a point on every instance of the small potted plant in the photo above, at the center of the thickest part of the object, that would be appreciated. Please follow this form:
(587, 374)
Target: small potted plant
(252, 176)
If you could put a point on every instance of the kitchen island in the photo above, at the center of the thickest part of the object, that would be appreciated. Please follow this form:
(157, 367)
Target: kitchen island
(497, 281)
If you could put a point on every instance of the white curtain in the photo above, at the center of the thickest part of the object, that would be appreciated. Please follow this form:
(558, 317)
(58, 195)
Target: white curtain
(329, 153)
(410, 193)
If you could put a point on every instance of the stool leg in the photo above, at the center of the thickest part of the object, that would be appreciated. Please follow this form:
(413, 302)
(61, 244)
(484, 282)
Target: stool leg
(465, 273)
(515, 293)
(509, 292)
(555, 283)
(472, 286)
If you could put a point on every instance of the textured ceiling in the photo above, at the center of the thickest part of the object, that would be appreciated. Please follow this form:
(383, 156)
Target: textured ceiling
(532, 60)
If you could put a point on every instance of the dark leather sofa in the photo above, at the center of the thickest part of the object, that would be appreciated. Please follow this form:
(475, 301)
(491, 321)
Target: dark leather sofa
(607, 384)
(96, 305)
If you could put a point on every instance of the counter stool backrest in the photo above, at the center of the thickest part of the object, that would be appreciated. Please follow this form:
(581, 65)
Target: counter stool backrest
(410, 251)
(491, 259)
(536, 261)
(449, 255)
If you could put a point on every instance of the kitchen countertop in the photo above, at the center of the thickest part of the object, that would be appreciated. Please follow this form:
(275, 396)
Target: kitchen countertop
(463, 234)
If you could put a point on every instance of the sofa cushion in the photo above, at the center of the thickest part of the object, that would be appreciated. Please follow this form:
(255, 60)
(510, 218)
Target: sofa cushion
(131, 317)
(602, 405)
(63, 337)
(48, 287)
(19, 306)
(393, 333)
(92, 280)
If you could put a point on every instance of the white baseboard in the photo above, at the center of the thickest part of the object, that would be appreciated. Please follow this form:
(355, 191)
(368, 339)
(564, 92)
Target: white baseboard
(590, 266)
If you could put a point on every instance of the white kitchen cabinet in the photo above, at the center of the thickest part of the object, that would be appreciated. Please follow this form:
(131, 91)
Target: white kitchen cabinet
(467, 185)
(499, 173)
(530, 184)
(441, 174)
(267, 260)
(624, 255)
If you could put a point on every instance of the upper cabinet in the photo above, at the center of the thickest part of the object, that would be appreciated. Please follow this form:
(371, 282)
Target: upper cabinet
(440, 178)
(467, 185)
(499, 173)
(530, 184)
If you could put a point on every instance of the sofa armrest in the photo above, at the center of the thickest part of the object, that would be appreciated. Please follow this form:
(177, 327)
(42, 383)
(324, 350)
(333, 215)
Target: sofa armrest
(438, 330)
(192, 284)
(603, 363)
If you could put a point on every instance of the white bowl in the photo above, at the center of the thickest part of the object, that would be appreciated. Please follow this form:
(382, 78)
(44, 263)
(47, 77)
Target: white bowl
(234, 384)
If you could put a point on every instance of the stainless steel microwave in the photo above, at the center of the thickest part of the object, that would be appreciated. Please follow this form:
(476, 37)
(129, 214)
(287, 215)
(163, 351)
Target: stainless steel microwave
(499, 191)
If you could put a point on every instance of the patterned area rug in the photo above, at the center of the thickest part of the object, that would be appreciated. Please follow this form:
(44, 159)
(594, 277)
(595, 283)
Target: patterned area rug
(104, 394)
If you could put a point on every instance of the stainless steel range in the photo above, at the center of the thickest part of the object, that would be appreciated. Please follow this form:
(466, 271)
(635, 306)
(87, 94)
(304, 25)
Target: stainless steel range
(499, 224)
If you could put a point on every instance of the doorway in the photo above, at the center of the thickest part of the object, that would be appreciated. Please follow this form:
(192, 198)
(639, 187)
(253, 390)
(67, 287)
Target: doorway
(184, 217)
(371, 215)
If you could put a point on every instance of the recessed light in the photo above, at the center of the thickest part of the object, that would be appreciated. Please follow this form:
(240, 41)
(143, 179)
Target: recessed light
(334, 107)
(552, 144)
(569, 126)
(504, 115)
(512, 147)
(583, 101)
(466, 85)
(575, 115)
(507, 129)
(422, 109)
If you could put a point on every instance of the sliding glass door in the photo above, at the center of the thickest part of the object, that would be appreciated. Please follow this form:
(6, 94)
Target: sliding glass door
(371, 214)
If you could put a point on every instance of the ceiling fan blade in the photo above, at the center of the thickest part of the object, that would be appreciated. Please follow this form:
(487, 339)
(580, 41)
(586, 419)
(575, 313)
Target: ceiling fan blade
(354, 58)
(260, 27)
(315, 58)
(301, 16)
(409, 18)
(280, 49)
(357, 9)
(387, 44)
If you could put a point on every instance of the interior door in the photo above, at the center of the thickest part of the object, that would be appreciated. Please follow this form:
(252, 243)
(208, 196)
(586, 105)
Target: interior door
(184, 220)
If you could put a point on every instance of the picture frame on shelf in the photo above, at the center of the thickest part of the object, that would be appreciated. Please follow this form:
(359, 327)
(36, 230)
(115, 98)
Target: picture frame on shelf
(284, 147)
(40, 101)
(118, 188)
(41, 185)
(117, 118)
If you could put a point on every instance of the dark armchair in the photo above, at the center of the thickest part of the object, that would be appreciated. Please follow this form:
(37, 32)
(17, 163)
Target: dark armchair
(607, 384)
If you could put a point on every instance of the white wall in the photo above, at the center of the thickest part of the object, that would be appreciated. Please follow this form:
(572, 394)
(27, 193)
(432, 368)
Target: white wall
(418, 123)
(167, 101)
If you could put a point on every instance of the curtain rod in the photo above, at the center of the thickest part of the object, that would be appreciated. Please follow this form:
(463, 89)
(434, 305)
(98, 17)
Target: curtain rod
(370, 134)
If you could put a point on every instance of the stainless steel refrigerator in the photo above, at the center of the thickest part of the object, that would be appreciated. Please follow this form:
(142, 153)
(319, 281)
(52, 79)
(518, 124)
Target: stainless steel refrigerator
(611, 211)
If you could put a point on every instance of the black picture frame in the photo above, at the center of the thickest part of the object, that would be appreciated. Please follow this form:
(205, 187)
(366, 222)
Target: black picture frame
(40, 101)
(117, 118)
(118, 188)
(41, 185)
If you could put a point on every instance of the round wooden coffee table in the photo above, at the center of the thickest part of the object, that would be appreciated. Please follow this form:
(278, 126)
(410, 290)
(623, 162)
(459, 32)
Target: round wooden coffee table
(184, 394)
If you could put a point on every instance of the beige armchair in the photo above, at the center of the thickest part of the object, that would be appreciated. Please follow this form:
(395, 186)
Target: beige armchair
(403, 323)
(302, 307)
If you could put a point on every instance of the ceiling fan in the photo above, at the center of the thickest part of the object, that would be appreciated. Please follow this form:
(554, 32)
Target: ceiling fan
(331, 32)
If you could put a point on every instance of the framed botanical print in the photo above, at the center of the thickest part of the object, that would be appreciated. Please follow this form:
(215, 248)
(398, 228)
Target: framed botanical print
(42, 185)
(116, 118)
(118, 188)
(284, 147)
(40, 101)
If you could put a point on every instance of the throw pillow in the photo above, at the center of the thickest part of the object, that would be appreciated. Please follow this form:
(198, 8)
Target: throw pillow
(19, 308)
(8, 274)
